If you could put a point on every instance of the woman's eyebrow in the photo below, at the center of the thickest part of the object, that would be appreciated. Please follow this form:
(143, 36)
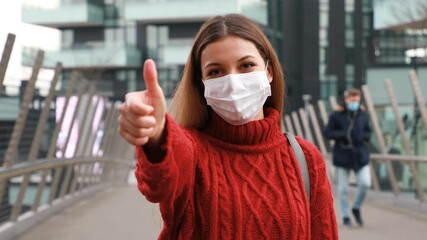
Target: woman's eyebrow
(209, 64)
(246, 57)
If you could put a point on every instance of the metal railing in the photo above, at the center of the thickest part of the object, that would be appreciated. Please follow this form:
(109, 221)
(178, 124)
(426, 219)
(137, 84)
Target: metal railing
(394, 169)
(58, 149)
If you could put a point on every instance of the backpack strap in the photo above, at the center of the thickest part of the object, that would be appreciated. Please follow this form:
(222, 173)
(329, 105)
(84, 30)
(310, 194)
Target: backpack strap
(301, 161)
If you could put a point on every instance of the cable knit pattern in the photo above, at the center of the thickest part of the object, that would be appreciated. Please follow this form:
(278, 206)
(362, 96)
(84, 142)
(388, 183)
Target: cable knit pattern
(237, 182)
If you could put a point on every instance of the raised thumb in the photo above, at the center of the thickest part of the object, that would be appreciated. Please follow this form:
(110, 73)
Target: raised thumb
(150, 77)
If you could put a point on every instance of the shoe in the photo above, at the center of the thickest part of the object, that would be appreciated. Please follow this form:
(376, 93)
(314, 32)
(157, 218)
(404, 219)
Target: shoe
(347, 222)
(357, 216)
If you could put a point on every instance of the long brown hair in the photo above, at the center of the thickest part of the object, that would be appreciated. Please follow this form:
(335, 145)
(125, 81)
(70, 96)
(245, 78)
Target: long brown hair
(188, 106)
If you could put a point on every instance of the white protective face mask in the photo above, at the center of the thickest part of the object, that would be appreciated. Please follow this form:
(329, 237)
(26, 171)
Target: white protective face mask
(238, 98)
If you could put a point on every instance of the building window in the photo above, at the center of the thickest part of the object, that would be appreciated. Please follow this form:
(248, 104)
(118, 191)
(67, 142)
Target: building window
(349, 74)
(67, 39)
(324, 19)
(323, 37)
(349, 20)
(349, 56)
(349, 38)
(349, 5)
(328, 86)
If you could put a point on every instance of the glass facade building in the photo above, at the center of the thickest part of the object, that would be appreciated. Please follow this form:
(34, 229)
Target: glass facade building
(344, 28)
(108, 40)
(325, 47)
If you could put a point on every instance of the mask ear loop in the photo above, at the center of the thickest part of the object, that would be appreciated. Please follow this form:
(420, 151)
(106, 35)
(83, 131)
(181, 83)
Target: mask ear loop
(266, 72)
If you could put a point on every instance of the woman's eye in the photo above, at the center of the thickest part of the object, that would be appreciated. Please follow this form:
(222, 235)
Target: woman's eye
(248, 65)
(213, 72)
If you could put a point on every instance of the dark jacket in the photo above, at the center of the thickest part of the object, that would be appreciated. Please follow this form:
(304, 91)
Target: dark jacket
(351, 131)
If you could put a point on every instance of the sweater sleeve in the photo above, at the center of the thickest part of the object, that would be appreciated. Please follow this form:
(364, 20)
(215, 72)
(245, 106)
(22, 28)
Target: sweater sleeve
(170, 180)
(322, 213)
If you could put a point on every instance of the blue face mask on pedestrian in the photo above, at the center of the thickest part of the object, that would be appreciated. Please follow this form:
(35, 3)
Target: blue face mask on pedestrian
(353, 106)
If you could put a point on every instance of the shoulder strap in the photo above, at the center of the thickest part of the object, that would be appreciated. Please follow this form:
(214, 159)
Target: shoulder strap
(301, 161)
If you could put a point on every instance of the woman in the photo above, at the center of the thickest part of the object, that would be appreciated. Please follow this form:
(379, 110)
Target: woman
(218, 162)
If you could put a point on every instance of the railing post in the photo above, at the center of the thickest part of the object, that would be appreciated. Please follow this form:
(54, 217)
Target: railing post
(52, 91)
(111, 142)
(323, 112)
(84, 131)
(88, 145)
(53, 142)
(107, 126)
(422, 107)
(83, 136)
(419, 96)
(106, 138)
(289, 126)
(380, 137)
(325, 118)
(82, 89)
(297, 124)
(333, 102)
(20, 122)
(85, 121)
(305, 124)
(25, 106)
(317, 131)
(69, 169)
(35, 145)
(4, 62)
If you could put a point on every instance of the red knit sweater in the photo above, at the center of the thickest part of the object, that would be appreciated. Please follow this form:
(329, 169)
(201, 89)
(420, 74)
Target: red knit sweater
(237, 182)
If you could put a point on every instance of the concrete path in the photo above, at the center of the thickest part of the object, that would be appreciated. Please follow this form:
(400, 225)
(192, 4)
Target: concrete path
(116, 214)
(122, 213)
(385, 223)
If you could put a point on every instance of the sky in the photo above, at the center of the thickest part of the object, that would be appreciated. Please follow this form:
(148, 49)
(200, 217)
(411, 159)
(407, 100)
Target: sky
(26, 35)
(393, 12)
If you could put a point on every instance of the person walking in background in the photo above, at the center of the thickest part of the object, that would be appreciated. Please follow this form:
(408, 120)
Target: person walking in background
(218, 162)
(349, 127)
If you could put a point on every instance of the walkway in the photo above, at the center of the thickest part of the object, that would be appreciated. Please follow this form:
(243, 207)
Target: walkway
(122, 213)
(119, 213)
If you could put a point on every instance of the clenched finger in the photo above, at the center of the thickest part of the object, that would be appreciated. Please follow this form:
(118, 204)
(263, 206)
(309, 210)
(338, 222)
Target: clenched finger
(135, 131)
(139, 122)
(131, 139)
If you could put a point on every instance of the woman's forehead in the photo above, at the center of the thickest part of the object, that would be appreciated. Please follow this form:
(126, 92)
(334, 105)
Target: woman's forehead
(230, 48)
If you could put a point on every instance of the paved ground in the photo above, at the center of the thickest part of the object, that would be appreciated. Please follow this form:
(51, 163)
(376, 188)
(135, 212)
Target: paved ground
(116, 214)
(385, 223)
(122, 213)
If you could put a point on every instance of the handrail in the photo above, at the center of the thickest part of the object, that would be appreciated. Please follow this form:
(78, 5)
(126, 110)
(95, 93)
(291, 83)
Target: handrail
(397, 157)
(43, 164)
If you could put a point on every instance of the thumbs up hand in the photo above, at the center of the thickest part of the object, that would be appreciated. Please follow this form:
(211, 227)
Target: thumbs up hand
(142, 115)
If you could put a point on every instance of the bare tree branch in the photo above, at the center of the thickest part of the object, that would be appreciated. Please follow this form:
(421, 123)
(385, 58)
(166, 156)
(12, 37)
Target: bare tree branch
(410, 15)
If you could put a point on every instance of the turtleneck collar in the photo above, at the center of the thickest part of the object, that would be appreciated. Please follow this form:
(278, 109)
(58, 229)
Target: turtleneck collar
(251, 133)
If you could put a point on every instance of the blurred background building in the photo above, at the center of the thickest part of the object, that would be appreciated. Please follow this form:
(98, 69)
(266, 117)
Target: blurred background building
(109, 39)
(325, 46)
